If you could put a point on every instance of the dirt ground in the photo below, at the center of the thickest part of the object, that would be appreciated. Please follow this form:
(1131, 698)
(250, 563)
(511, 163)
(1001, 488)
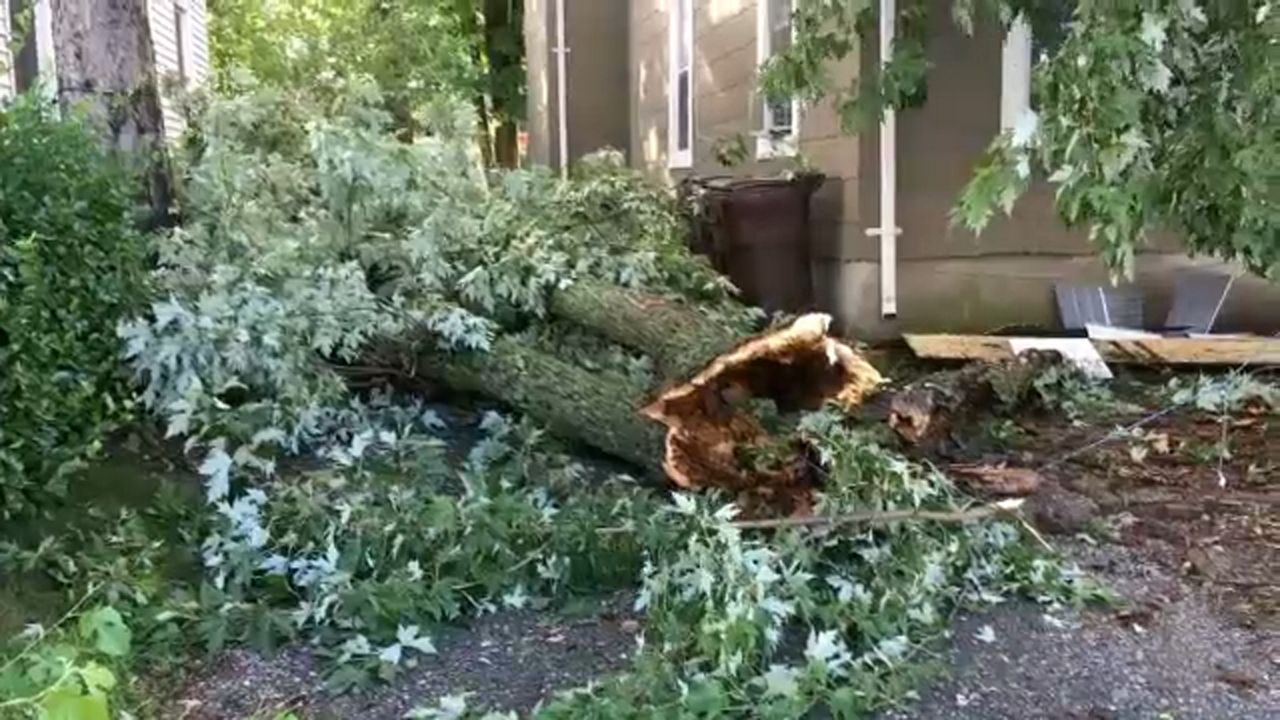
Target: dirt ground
(1187, 535)
(508, 660)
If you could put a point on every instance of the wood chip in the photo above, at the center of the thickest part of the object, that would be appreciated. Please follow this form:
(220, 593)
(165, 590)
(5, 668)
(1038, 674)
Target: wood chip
(998, 479)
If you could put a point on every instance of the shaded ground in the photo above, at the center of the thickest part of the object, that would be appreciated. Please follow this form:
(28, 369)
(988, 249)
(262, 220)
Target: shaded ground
(1165, 653)
(1182, 520)
(509, 660)
(1181, 517)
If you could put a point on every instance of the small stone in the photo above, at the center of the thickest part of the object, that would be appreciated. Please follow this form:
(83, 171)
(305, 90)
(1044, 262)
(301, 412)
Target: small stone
(630, 626)
(1054, 509)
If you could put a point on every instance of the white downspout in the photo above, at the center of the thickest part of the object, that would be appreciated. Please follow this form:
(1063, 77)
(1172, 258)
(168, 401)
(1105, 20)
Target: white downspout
(562, 91)
(888, 230)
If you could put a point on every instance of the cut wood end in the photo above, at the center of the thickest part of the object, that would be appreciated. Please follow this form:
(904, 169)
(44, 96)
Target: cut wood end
(816, 368)
(709, 423)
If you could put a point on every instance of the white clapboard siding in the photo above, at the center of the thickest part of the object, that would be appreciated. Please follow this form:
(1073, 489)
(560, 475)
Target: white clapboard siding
(194, 46)
(6, 60)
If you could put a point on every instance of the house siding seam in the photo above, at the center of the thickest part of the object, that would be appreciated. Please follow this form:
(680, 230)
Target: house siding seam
(6, 58)
(165, 42)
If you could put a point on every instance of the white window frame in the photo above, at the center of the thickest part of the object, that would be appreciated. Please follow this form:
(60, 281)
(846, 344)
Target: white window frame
(9, 84)
(678, 157)
(182, 41)
(1015, 74)
(767, 144)
(46, 61)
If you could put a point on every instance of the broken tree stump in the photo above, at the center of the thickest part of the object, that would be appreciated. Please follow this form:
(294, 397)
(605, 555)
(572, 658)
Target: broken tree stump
(699, 428)
(924, 411)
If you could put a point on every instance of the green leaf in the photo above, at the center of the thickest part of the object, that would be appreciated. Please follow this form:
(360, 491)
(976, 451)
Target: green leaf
(105, 628)
(97, 678)
(66, 704)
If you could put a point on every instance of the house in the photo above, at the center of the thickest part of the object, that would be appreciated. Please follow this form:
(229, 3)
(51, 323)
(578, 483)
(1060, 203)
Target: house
(885, 256)
(178, 35)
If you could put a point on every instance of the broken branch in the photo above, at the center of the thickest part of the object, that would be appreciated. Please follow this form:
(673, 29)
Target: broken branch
(983, 512)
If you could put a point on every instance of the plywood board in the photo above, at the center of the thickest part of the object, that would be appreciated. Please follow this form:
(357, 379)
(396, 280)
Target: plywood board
(960, 347)
(1193, 351)
(1227, 350)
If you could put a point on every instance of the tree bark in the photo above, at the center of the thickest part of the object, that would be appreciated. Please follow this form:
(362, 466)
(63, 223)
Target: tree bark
(701, 426)
(681, 338)
(504, 57)
(578, 404)
(106, 64)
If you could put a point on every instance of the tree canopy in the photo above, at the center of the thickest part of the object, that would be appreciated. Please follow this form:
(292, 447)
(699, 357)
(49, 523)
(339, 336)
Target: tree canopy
(415, 50)
(1147, 114)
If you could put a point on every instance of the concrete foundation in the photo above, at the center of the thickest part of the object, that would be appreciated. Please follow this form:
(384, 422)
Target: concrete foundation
(972, 295)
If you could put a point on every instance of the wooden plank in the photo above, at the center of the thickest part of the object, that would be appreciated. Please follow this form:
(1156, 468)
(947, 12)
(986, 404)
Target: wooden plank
(960, 347)
(1234, 350)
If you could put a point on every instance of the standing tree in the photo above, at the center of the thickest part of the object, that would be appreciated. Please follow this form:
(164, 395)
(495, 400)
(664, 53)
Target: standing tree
(415, 50)
(1147, 114)
(106, 66)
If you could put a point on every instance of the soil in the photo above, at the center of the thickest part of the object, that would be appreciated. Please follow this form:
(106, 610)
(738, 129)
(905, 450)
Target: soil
(509, 660)
(1187, 536)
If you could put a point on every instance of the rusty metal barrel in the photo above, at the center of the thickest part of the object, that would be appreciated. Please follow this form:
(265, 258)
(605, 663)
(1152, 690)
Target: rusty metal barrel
(759, 236)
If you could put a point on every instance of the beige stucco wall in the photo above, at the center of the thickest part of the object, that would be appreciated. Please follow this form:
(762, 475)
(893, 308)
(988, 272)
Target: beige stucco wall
(597, 104)
(950, 279)
(982, 294)
(940, 143)
(726, 102)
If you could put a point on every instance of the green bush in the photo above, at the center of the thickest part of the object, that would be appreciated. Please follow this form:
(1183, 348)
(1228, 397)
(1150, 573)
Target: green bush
(72, 264)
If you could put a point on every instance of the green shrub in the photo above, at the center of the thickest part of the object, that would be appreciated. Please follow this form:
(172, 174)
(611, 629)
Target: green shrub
(72, 265)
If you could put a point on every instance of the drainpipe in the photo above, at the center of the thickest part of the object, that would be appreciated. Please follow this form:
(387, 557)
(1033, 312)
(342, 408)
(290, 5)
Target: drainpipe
(888, 230)
(562, 94)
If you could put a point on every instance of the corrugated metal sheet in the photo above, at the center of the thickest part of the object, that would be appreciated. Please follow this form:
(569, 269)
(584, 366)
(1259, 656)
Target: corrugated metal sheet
(1079, 305)
(1198, 297)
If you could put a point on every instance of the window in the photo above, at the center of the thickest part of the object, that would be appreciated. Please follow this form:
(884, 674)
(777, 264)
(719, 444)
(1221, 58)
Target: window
(25, 63)
(31, 22)
(1022, 50)
(780, 119)
(180, 39)
(680, 99)
(1015, 74)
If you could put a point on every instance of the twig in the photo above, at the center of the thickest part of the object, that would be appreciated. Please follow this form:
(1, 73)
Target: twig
(1114, 434)
(1033, 532)
(93, 590)
(1002, 508)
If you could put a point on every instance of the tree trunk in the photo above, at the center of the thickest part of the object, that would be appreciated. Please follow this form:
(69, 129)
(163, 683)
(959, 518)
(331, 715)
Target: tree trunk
(682, 339)
(702, 427)
(504, 60)
(924, 412)
(591, 407)
(106, 64)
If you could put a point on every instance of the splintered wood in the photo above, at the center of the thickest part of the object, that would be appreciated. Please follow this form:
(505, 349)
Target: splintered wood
(711, 427)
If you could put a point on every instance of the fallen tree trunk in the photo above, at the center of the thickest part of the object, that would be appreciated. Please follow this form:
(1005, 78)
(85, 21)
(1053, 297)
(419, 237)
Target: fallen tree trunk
(700, 431)
(681, 339)
(700, 427)
(577, 404)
